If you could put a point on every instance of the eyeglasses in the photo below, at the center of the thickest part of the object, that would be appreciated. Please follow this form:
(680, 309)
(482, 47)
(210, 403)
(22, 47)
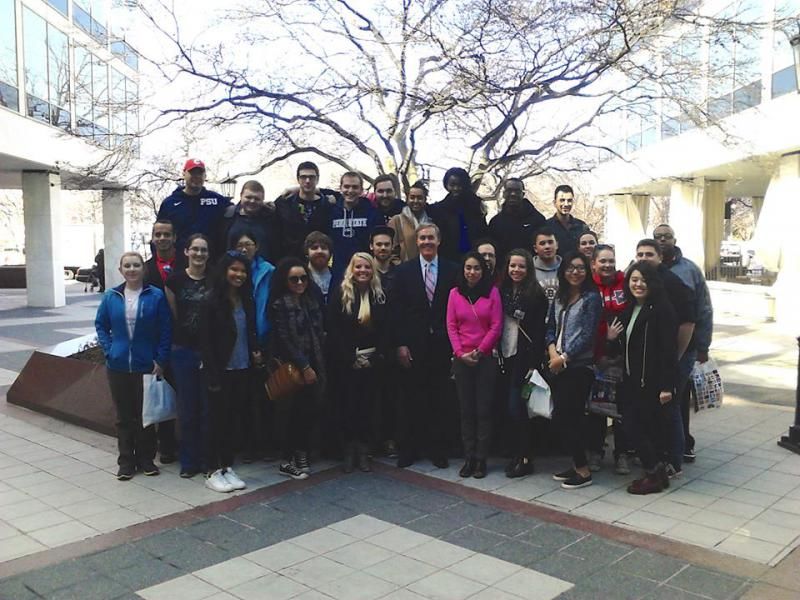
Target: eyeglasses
(198, 250)
(576, 269)
(663, 236)
(244, 245)
(297, 279)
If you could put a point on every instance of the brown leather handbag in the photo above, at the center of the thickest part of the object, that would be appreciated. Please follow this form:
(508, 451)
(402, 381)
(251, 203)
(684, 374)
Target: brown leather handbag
(284, 380)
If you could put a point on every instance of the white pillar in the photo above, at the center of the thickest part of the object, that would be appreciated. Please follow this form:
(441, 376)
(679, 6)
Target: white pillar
(697, 214)
(713, 222)
(42, 214)
(626, 220)
(686, 217)
(115, 234)
(775, 239)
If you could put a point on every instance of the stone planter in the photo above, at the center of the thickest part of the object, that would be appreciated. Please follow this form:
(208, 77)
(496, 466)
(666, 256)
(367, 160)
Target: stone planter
(75, 391)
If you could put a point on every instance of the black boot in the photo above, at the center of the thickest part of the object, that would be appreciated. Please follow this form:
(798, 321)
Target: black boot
(349, 457)
(362, 458)
(468, 469)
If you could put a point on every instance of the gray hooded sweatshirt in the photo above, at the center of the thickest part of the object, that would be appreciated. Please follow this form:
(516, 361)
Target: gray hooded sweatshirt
(547, 276)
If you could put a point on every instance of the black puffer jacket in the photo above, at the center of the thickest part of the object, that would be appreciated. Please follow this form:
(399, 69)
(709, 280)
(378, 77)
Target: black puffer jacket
(446, 214)
(510, 231)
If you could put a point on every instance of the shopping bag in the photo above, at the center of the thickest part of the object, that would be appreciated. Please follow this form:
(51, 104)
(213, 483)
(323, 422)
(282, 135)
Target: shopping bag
(537, 393)
(603, 395)
(707, 388)
(158, 403)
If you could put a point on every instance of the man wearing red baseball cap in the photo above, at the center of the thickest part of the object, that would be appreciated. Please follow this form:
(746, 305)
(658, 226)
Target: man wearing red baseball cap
(192, 208)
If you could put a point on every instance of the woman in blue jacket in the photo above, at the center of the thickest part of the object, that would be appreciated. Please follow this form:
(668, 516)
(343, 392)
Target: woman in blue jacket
(571, 328)
(254, 413)
(134, 327)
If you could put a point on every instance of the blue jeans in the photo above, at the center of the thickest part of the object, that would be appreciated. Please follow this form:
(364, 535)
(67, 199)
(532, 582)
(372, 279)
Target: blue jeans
(192, 399)
(678, 429)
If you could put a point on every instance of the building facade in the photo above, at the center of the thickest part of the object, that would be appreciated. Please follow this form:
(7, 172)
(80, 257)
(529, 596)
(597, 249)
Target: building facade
(69, 97)
(744, 147)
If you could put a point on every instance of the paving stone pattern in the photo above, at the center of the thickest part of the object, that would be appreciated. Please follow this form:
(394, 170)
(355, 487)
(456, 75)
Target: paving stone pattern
(411, 516)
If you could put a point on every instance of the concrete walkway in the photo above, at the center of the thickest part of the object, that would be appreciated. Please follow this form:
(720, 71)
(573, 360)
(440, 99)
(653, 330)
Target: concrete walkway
(726, 529)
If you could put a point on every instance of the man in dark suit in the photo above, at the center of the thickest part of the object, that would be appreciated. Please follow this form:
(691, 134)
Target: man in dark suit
(419, 305)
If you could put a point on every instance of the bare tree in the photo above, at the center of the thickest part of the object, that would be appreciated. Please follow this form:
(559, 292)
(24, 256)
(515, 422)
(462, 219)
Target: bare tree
(503, 86)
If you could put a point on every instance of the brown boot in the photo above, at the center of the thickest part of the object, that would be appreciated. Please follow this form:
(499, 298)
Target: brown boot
(649, 484)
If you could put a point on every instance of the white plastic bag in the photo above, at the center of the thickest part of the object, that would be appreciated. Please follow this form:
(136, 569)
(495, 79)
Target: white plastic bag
(707, 387)
(158, 403)
(540, 402)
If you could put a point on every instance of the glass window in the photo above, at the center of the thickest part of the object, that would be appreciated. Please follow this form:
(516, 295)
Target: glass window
(81, 18)
(670, 127)
(58, 68)
(83, 84)
(34, 31)
(59, 5)
(9, 94)
(128, 54)
(747, 96)
(100, 100)
(117, 105)
(132, 108)
(99, 21)
(784, 82)
(650, 135)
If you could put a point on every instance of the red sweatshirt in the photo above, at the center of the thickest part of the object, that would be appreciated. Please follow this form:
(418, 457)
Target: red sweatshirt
(614, 304)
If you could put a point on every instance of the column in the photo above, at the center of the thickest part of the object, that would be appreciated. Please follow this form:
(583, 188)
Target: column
(686, 217)
(42, 214)
(626, 222)
(775, 239)
(713, 222)
(116, 233)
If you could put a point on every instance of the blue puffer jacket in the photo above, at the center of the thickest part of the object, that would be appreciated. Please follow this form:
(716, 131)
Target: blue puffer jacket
(262, 275)
(152, 334)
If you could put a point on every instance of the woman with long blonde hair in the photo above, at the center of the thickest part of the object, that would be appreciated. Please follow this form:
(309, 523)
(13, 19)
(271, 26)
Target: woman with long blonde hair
(358, 329)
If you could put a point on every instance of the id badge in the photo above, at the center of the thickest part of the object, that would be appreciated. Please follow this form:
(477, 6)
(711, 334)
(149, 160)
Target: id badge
(519, 314)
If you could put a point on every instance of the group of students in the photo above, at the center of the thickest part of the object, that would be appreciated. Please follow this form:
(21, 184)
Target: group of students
(381, 306)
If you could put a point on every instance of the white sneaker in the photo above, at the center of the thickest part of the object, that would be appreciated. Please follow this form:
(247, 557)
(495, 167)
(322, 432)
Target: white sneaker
(217, 482)
(232, 478)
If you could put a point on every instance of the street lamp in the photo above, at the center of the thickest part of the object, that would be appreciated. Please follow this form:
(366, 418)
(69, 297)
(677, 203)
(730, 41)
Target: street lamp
(792, 440)
(228, 186)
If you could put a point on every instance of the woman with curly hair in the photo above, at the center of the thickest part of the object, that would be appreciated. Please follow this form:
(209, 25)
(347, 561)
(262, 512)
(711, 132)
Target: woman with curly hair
(295, 312)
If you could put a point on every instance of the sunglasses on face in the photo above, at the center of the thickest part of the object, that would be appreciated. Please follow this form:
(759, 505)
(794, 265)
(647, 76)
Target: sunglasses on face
(297, 279)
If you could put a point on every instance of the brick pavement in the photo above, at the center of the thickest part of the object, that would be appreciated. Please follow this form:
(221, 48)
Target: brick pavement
(726, 530)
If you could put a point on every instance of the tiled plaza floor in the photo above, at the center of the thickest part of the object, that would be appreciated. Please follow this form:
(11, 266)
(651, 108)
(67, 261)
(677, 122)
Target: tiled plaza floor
(726, 529)
(372, 536)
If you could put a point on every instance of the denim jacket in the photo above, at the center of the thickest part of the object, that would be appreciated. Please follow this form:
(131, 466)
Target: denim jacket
(578, 322)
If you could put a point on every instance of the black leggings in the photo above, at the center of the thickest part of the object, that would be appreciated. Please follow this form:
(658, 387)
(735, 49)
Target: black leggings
(358, 404)
(137, 445)
(570, 390)
(646, 421)
(223, 405)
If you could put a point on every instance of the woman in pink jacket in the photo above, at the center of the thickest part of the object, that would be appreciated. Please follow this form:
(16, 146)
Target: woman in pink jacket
(474, 324)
